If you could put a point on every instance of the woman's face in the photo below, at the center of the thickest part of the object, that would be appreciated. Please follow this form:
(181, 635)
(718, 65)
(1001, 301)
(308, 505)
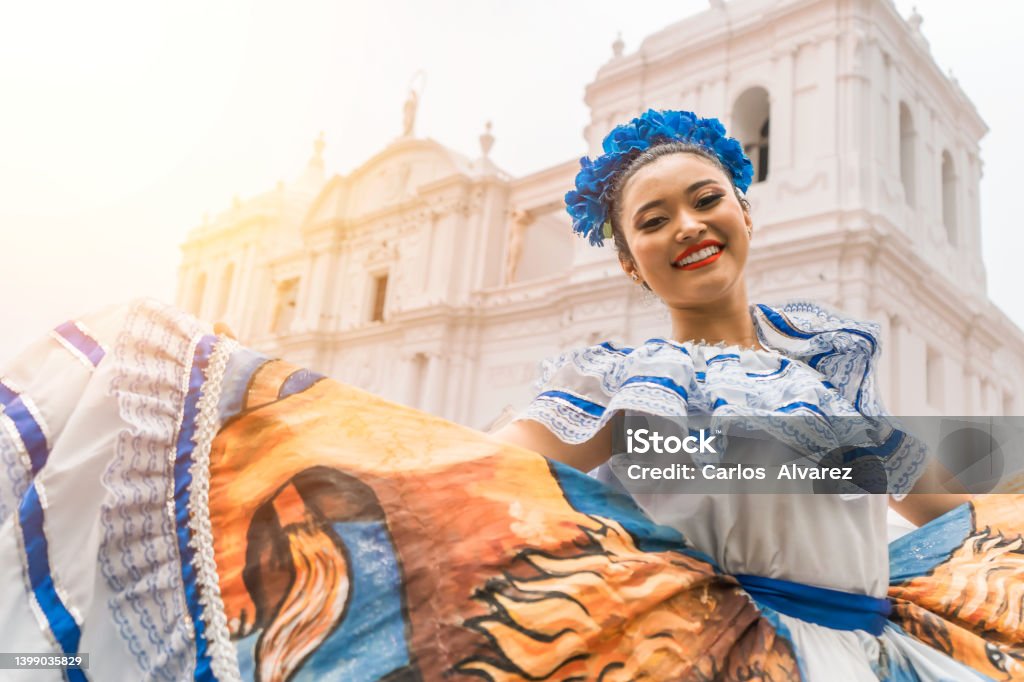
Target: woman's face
(686, 230)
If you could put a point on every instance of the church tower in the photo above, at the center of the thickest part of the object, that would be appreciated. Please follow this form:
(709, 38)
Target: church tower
(867, 171)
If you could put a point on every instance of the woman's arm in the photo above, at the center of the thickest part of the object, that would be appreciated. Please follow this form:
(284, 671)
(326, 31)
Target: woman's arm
(532, 435)
(921, 507)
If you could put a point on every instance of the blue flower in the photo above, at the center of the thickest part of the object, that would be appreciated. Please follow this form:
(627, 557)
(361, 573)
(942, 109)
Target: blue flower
(589, 203)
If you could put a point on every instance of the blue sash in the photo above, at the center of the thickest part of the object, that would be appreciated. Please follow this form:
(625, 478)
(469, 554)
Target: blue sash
(821, 606)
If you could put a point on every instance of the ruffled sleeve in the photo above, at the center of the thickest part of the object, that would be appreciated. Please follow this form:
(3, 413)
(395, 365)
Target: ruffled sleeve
(579, 391)
(843, 350)
(846, 353)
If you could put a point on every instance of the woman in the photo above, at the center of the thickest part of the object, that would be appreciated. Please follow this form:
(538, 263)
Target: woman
(682, 229)
(668, 193)
(181, 507)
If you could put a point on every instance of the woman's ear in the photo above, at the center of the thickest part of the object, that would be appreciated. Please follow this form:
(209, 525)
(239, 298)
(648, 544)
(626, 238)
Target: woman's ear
(749, 222)
(629, 268)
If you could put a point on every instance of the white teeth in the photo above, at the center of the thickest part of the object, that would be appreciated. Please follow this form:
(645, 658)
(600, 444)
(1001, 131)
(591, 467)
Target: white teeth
(700, 255)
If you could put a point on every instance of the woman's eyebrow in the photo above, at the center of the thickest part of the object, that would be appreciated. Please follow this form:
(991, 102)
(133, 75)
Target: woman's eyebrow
(649, 204)
(700, 183)
(689, 190)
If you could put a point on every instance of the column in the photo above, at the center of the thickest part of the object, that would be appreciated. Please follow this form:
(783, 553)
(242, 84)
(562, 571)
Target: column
(911, 373)
(886, 374)
(246, 290)
(892, 365)
(973, 387)
(436, 384)
(781, 112)
(317, 290)
(412, 388)
(827, 86)
(993, 400)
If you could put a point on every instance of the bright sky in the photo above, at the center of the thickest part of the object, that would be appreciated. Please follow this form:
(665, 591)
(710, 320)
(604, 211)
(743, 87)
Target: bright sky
(124, 122)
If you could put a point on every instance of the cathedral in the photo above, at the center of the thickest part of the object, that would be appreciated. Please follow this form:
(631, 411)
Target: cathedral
(440, 281)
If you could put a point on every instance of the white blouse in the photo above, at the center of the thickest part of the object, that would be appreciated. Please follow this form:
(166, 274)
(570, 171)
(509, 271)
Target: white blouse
(818, 367)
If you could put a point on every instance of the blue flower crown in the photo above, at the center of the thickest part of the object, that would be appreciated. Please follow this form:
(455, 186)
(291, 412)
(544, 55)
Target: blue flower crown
(589, 203)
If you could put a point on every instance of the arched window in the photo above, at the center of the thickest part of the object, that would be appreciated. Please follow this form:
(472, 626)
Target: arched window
(751, 125)
(907, 163)
(226, 280)
(380, 297)
(287, 298)
(198, 290)
(949, 196)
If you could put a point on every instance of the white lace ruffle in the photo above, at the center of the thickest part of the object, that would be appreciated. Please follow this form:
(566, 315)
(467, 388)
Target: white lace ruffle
(138, 555)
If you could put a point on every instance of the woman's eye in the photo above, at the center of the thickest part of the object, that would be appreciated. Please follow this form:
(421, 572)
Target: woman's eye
(708, 200)
(652, 222)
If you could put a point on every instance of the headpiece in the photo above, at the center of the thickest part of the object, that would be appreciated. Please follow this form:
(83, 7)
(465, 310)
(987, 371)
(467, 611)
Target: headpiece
(589, 203)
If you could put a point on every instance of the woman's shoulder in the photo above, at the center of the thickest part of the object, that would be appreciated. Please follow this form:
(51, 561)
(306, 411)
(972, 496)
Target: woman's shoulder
(580, 390)
(797, 329)
(584, 385)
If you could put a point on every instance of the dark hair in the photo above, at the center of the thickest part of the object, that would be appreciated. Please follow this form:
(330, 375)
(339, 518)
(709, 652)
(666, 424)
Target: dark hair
(645, 158)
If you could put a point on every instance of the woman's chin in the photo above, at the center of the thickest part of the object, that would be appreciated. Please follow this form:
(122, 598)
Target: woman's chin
(697, 290)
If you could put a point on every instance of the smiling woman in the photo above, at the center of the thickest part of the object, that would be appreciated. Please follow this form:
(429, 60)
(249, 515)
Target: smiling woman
(184, 507)
(669, 192)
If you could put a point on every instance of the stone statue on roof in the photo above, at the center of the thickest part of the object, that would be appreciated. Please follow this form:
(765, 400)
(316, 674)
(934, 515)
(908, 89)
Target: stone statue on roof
(412, 103)
(409, 113)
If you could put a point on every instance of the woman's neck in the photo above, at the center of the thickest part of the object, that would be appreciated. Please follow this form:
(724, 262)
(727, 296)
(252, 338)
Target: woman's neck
(725, 321)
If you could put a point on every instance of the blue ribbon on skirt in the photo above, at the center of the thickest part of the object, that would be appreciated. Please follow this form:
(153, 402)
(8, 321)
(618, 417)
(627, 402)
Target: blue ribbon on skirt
(819, 605)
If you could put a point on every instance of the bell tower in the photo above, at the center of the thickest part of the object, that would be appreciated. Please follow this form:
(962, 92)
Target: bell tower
(867, 172)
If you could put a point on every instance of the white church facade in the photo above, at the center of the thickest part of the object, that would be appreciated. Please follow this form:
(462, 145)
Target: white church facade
(440, 282)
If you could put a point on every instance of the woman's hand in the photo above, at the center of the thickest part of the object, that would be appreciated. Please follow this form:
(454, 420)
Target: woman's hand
(222, 329)
(921, 507)
(535, 436)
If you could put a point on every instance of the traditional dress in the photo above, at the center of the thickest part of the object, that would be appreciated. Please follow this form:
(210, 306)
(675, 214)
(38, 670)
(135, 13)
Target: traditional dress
(817, 364)
(180, 507)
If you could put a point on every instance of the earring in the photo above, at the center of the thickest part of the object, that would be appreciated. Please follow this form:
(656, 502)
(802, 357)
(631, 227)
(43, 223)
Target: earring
(647, 297)
(750, 233)
(635, 277)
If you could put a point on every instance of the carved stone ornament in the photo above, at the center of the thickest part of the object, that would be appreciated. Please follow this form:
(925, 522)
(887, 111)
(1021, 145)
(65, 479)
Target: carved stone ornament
(801, 183)
(382, 253)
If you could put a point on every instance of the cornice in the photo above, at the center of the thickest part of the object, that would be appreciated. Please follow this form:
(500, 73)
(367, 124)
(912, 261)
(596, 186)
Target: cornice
(547, 176)
(947, 93)
(206, 236)
(677, 45)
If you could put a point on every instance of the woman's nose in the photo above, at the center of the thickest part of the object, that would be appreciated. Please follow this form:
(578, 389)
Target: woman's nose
(690, 226)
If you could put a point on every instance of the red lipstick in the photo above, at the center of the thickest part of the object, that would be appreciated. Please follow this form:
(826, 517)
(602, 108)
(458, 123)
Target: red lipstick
(699, 247)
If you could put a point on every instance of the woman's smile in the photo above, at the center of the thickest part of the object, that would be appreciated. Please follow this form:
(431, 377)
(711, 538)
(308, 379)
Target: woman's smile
(700, 255)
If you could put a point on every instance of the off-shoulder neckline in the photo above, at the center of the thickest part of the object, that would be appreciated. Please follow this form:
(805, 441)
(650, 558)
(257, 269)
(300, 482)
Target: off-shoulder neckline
(720, 346)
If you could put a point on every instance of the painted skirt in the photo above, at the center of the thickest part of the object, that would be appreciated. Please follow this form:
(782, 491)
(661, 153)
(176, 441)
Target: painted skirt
(180, 507)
